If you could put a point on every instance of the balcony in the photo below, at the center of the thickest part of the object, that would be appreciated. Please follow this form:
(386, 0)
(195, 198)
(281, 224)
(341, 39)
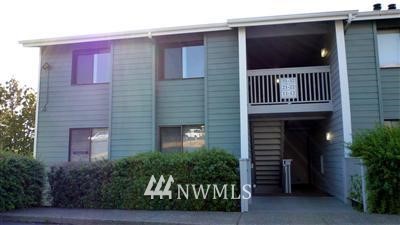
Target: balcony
(289, 90)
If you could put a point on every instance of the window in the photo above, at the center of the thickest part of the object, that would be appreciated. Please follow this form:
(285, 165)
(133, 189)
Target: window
(180, 61)
(392, 123)
(389, 48)
(186, 138)
(171, 139)
(91, 66)
(88, 144)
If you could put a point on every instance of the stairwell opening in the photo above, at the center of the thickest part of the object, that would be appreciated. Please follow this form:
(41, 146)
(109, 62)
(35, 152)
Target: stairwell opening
(275, 140)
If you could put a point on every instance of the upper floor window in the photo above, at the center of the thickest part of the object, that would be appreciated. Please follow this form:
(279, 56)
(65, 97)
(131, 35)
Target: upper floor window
(181, 60)
(88, 144)
(389, 48)
(91, 66)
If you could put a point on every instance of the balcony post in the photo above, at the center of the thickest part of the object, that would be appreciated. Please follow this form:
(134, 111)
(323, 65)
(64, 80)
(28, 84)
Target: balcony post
(344, 83)
(344, 93)
(244, 123)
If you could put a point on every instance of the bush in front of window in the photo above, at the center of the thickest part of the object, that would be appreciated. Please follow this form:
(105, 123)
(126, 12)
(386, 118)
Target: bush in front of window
(21, 181)
(380, 150)
(132, 175)
(121, 184)
(79, 184)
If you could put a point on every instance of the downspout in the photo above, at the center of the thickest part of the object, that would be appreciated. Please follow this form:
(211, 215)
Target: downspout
(153, 81)
(110, 101)
(378, 72)
(207, 142)
(350, 19)
(46, 67)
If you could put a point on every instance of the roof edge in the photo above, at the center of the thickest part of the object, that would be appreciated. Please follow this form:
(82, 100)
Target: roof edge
(230, 24)
(377, 15)
(124, 35)
(292, 18)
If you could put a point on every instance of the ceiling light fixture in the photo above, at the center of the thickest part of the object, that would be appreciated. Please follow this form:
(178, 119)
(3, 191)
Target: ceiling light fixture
(324, 52)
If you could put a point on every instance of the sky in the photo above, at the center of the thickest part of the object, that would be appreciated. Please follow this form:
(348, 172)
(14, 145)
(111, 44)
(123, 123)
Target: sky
(27, 19)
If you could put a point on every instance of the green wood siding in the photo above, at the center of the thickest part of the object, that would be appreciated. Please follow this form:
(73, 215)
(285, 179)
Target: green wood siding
(365, 77)
(362, 73)
(132, 98)
(332, 181)
(390, 81)
(69, 106)
(180, 102)
(223, 109)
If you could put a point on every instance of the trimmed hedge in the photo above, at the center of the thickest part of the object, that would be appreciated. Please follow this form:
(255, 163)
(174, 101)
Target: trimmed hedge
(79, 185)
(380, 150)
(21, 181)
(121, 184)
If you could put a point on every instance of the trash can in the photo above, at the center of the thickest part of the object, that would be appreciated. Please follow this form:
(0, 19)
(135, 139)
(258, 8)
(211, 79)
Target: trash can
(287, 177)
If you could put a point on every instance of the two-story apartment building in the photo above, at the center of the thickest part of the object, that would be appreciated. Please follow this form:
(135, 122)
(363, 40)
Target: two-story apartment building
(265, 89)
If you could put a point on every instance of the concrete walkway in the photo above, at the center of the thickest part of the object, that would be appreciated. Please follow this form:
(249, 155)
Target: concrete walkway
(299, 204)
(264, 211)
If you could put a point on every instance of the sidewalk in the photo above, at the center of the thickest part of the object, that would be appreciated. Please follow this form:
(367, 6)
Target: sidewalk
(134, 217)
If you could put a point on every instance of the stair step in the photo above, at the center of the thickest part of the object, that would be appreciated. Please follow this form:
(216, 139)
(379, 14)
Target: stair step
(269, 168)
(267, 130)
(267, 147)
(277, 182)
(263, 153)
(268, 134)
(268, 177)
(269, 141)
(268, 163)
(266, 123)
(268, 158)
(268, 172)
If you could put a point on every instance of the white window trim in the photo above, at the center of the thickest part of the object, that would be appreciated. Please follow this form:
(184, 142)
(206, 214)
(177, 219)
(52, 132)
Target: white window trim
(388, 31)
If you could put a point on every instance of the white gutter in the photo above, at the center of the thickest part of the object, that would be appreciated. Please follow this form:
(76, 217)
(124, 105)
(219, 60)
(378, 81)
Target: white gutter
(350, 15)
(295, 18)
(126, 35)
(378, 15)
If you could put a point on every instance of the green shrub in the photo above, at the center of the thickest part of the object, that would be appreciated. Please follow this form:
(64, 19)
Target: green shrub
(21, 181)
(380, 150)
(79, 184)
(124, 187)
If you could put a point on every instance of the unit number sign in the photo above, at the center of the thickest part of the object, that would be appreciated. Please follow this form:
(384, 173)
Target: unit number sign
(288, 88)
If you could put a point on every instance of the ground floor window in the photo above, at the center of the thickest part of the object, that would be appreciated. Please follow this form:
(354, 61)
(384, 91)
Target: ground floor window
(88, 144)
(392, 123)
(186, 138)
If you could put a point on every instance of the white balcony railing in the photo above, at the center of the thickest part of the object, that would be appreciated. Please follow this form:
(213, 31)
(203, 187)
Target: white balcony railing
(299, 85)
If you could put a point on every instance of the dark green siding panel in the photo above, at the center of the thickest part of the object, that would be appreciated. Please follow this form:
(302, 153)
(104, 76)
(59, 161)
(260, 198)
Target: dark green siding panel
(132, 98)
(332, 181)
(180, 102)
(390, 81)
(363, 82)
(69, 106)
(223, 109)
